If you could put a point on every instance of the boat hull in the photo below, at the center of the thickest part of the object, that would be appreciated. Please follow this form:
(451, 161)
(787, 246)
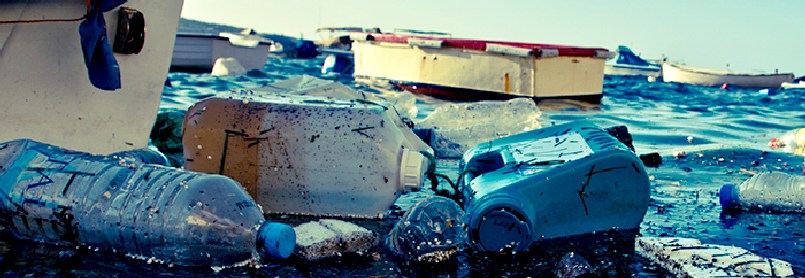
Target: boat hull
(46, 91)
(198, 53)
(451, 67)
(708, 77)
(629, 70)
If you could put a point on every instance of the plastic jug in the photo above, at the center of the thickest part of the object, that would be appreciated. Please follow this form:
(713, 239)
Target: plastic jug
(60, 196)
(552, 182)
(307, 155)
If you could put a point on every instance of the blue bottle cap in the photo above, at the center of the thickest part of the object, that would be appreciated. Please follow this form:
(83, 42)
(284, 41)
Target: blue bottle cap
(500, 230)
(728, 196)
(276, 240)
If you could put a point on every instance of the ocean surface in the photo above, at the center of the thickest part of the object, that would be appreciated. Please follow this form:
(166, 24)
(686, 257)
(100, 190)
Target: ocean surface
(724, 133)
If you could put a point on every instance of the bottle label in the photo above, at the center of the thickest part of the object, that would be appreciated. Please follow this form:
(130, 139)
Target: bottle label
(548, 151)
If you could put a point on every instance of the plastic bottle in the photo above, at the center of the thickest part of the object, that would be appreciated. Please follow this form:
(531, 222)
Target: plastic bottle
(307, 155)
(791, 141)
(552, 182)
(432, 230)
(770, 191)
(54, 195)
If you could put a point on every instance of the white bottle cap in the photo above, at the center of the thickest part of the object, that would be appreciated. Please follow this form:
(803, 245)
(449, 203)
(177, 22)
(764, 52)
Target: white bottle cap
(412, 169)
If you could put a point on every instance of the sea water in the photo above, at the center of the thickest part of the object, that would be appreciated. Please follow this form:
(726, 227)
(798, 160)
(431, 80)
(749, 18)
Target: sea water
(723, 135)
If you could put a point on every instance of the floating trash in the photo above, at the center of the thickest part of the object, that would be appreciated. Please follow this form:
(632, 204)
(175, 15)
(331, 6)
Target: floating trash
(59, 196)
(432, 230)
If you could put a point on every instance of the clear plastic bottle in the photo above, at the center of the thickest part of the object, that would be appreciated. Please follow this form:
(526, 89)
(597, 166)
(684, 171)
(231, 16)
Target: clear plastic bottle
(54, 195)
(792, 141)
(432, 230)
(770, 191)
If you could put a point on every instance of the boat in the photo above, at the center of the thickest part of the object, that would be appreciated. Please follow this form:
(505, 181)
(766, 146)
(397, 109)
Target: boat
(628, 63)
(468, 68)
(672, 72)
(56, 90)
(197, 52)
(797, 83)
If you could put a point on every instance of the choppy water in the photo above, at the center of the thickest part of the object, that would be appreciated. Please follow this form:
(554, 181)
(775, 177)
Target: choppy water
(729, 130)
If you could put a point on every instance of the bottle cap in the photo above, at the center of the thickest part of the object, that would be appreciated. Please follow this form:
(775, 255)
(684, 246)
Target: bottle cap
(276, 240)
(412, 169)
(728, 196)
(500, 230)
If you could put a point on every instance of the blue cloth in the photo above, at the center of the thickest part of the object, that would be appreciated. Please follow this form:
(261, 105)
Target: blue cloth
(104, 72)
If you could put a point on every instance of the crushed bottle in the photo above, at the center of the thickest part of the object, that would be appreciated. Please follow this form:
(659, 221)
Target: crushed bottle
(53, 195)
(432, 230)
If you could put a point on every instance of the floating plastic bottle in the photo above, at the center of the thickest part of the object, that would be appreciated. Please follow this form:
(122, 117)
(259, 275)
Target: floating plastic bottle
(792, 141)
(54, 195)
(557, 181)
(432, 230)
(769, 191)
(307, 155)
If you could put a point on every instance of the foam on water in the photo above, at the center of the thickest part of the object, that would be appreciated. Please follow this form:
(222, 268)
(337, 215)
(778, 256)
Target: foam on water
(729, 130)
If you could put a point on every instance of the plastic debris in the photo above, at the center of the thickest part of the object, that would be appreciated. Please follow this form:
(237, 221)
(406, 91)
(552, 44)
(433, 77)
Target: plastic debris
(227, 67)
(688, 257)
(459, 126)
(553, 182)
(59, 196)
(307, 155)
(432, 230)
(329, 237)
(768, 191)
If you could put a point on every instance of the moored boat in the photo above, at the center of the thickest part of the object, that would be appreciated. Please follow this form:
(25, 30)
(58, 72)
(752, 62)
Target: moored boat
(628, 63)
(710, 77)
(49, 93)
(460, 67)
(798, 83)
(194, 52)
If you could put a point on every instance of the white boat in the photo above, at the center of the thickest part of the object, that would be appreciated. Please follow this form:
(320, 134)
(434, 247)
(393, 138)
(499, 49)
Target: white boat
(628, 63)
(798, 83)
(195, 52)
(478, 68)
(709, 77)
(47, 93)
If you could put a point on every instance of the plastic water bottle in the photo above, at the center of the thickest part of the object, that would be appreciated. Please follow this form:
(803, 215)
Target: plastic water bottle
(792, 141)
(770, 191)
(54, 195)
(432, 230)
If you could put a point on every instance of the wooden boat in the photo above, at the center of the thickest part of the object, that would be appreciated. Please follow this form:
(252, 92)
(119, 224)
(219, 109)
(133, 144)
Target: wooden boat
(709, 77)
(49, 94)
(195, 52)
(628, 63)
(464, 67)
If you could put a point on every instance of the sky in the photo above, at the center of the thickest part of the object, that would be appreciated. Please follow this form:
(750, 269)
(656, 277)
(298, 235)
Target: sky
(738, 35)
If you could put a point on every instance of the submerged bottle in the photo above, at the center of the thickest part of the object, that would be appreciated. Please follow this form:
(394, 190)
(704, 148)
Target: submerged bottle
(770, 191)
(432, 230)
(54, 195)
(792, 141)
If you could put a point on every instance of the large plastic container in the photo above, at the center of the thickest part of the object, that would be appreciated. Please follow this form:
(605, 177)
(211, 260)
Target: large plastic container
(557, 181)
(307, 155)
(769, 191)
(59, 196)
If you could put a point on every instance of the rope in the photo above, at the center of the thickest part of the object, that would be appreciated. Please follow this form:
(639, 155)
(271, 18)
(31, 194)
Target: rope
(89, 8)
(433, 177)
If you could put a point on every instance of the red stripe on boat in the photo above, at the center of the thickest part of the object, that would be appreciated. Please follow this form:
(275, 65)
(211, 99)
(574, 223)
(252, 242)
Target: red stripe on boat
(564, 50)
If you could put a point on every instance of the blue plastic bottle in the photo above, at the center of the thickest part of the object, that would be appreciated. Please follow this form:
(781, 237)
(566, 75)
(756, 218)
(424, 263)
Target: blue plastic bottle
(552, 182)
(59, 196)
